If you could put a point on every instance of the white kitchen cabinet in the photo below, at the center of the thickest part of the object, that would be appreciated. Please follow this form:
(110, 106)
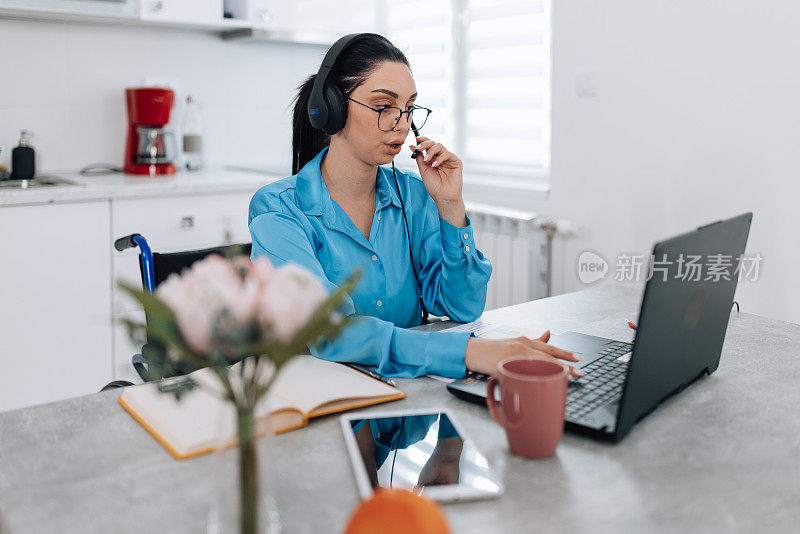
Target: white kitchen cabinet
(300, 21)
(55, 316)
(61, 329)
(316, 16)
(169, 224)
(172, 224)
(182, 11)
(103, 8)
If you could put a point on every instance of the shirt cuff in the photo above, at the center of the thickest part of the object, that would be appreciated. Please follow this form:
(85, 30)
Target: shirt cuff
(455, 237)
(445, 352)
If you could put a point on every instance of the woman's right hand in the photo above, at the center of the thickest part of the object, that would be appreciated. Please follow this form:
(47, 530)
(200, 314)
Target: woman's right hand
(483, 355)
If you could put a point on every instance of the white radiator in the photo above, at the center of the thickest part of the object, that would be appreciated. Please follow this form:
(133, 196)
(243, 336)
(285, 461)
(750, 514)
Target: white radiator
(519, 245)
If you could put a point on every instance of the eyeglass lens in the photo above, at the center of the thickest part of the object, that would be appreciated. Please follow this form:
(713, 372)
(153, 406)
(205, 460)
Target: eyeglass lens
(390, 117)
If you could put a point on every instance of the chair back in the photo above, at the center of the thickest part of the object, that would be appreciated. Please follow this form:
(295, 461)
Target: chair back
(166, 263)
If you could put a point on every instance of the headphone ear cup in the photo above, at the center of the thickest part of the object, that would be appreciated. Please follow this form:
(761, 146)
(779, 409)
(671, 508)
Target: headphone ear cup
(337, 110)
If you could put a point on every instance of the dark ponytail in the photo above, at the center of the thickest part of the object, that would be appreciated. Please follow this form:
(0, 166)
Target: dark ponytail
(350, 70)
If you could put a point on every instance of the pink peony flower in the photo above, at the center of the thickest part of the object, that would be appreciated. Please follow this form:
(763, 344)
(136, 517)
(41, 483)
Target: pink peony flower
(200, 296)
(289, 300)
(215, 296)
(262, 269)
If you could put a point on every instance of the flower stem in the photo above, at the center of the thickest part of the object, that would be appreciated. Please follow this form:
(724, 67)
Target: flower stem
(248, 472)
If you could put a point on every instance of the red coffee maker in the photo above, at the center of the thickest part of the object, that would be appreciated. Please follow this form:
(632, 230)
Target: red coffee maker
(150, 149)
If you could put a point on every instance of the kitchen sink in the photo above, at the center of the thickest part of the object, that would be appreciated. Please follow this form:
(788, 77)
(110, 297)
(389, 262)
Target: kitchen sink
(43, 180)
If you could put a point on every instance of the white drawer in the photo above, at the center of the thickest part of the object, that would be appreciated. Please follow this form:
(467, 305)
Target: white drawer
(183, 223)
(173, 224)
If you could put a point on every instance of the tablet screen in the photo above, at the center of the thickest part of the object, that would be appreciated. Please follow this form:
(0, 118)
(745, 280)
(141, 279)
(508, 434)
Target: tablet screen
(418, 452)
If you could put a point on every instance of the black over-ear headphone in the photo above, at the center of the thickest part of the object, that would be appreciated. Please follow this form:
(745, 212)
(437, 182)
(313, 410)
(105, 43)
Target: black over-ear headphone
(327, 111)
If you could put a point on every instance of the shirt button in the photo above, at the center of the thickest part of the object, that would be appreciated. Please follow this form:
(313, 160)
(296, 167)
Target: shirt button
(374, 257)
(379, 216)
(379, 303)
(466, 236)
(466, 248)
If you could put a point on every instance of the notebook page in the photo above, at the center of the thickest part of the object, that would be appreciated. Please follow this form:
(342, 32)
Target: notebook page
(309, 382)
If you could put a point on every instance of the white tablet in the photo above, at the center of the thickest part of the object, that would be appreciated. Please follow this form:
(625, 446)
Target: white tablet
(424, 451)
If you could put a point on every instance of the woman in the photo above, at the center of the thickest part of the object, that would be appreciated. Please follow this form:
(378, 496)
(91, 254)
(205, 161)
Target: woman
(341, 210)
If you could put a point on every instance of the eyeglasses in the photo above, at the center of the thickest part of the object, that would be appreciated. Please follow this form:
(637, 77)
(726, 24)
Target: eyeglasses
(389, 116)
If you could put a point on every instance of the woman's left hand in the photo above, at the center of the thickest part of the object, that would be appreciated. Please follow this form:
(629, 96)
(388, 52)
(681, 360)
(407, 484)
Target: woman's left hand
(440, 170)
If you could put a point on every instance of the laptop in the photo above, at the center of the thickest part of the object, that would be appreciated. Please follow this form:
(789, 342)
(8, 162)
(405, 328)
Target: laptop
(682, 323)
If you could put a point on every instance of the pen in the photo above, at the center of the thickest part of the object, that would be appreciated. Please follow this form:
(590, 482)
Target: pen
(369, 372)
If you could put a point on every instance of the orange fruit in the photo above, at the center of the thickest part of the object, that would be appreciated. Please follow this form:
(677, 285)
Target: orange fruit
(396, 511)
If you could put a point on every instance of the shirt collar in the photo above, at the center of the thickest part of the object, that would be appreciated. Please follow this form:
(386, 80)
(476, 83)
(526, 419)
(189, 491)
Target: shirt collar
(314, 199)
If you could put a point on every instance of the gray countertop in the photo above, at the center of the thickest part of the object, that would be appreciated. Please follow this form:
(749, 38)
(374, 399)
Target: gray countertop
(720, 457)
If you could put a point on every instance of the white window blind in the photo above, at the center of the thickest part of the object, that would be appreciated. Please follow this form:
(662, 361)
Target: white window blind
(483, 67)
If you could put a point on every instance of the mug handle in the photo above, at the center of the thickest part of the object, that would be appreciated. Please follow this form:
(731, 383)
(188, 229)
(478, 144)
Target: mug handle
(494, 407)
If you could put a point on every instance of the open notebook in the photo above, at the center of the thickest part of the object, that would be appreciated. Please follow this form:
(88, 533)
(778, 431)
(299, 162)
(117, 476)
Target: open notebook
(201, 421)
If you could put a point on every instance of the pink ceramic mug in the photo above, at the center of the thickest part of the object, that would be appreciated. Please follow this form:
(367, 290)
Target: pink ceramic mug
(533, 398)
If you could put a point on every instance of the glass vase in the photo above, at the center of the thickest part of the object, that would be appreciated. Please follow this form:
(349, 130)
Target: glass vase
(243, 493)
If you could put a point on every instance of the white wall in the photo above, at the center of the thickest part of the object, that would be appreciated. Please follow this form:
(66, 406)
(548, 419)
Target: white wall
(66, 83)
(697, 118)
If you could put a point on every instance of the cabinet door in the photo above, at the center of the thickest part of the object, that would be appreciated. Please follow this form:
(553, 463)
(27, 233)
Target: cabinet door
(55, 316)
(182, 10)
(117, 8)
(320, 16)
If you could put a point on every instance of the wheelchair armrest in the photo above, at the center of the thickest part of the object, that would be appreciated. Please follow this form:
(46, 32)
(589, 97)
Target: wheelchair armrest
(139, 363)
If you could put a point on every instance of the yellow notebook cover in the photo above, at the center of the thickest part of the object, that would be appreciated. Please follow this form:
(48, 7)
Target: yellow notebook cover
(201, 420)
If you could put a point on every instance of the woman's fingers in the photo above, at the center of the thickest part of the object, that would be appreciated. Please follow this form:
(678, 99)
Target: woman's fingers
(539, 355)
(423, 145)
(530, 351)
(436, 154)
(544, 337)
(550, 349)
(445, 159)
(574, 371)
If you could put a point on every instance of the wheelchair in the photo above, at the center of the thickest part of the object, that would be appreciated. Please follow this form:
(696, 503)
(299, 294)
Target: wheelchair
(156, 267)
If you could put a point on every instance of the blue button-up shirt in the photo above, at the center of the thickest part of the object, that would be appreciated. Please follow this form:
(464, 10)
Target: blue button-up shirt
(295, 220)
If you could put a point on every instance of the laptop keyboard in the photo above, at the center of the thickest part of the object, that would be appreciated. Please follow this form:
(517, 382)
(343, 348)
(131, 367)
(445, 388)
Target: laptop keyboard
(602, 382)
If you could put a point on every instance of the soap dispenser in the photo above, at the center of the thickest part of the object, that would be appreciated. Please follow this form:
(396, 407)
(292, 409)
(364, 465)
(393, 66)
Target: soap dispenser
(22, 158)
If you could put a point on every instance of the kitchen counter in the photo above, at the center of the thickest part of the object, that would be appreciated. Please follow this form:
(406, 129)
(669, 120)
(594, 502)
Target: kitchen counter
(117, 186)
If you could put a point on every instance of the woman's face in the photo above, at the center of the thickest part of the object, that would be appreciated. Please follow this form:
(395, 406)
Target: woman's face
(389, 84)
